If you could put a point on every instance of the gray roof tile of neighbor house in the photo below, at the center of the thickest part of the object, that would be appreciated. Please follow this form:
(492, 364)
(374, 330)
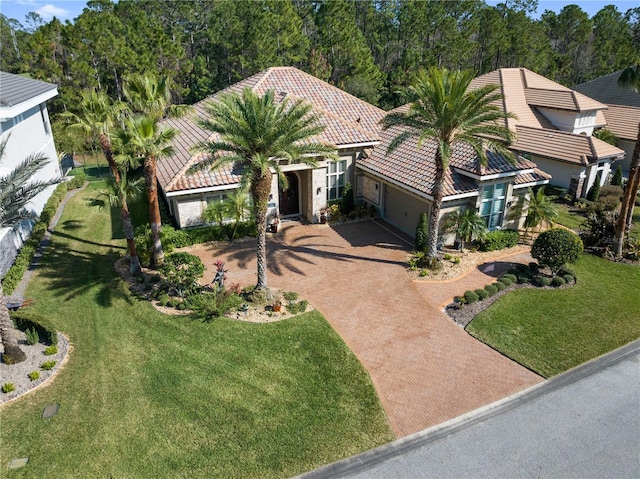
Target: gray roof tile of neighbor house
(16, 89)
(347, 120)
(623, 121)
(607, 90)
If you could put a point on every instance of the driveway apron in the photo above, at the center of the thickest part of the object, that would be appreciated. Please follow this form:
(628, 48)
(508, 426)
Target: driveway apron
(425, 368)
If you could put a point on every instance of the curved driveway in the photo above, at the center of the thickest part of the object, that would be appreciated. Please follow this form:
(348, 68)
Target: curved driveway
(425, 368)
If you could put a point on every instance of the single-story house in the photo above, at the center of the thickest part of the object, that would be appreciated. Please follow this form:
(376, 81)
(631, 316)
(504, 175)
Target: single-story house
(24, 123)
(401, 184)
(623, 113)
(553, 128)
(350, 124)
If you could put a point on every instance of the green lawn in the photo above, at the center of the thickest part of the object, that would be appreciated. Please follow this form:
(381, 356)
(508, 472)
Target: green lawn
(569, 219)
(151, 395)
(550, 331)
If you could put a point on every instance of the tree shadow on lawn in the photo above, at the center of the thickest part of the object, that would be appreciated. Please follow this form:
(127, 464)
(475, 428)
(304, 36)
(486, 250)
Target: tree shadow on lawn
(72, 273)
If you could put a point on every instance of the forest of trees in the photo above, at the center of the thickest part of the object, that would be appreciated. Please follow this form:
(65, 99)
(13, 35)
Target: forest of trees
(370, 48)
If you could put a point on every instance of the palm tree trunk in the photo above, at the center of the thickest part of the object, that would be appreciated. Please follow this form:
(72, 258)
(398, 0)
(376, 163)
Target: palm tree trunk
(260, 190)
(105, 143)
(628, 199)
(436, 206)
(12, 352)
(127, 226)
(154, 210)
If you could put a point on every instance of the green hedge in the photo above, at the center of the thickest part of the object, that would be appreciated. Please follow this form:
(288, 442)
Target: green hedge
(25, 320)
(29, 248)
(501, 239)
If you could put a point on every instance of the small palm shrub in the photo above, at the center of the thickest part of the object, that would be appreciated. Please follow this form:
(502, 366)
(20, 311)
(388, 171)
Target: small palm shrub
(8, 387)
(32, 336)
(48, 365)
(34, 375)
(53, 349)
(213, 304)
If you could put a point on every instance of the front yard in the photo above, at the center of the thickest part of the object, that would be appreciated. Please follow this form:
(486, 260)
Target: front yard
(152, 395)
(550, 331)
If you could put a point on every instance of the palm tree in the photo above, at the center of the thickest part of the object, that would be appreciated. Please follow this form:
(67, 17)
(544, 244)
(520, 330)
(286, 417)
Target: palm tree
(144, 139)
(629, 78)
(151, 95)
(539, 209)
(253, 133)
(98, 117)
(16, 191)
(118, 194)
(467, 224)
(444, 110)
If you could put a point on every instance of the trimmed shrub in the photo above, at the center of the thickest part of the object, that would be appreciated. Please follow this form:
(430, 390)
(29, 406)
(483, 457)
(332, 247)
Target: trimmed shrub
(507, 281)
(566, 270)
(555, 247)
(491, 289)
(182, 270)
(45, 329)
(543, 281)
(510, 276)
(557, 281)
(500, 239)
(482, 293)
(616, 180)
(471, 297)
(594, 192)
(500, 286)
(568, 278)
(422, 233)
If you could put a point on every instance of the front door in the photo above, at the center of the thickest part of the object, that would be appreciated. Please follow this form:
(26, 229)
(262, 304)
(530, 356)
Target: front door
(290, 198)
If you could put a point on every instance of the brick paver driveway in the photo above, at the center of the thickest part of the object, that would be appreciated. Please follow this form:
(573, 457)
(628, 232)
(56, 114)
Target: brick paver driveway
(425, 368)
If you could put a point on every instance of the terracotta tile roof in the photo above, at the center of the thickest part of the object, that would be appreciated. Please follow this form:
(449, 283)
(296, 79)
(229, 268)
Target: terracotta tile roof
(347, 120)
(561, 100)
(414, 167)
(606, 90)
(623, 121)
(564, 146)
(536, 177)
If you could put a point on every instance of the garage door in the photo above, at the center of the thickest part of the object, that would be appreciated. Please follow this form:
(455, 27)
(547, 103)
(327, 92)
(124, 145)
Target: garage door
(403, 210)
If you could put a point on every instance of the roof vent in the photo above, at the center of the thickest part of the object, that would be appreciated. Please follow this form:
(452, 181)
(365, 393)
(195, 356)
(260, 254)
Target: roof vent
(358, 120)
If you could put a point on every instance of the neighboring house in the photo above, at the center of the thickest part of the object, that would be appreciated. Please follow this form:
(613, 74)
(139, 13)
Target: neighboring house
(400, 184)
(24, 120)
(350, 124)
(553, 128)
(623, 113)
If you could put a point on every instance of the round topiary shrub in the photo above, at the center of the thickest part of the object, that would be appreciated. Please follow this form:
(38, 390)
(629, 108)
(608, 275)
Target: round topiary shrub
(511, 277)
(482, 293)
(543, 281)
(500, 286)
(491, 289)
(556, 247)
(568, 278)
(506, 281)
(557, 281)
(470, 297)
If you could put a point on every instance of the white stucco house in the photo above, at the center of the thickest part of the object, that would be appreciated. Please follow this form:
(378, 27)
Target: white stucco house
(622, 114)
(24, 124)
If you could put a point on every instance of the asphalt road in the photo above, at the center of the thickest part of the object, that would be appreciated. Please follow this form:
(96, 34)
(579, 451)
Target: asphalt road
(584, 423)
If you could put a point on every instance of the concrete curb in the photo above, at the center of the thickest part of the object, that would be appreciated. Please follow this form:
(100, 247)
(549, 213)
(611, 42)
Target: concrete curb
(369, 458)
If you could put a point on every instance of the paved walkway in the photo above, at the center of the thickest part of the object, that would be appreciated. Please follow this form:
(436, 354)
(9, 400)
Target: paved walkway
(583, 423)
(425, 368)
